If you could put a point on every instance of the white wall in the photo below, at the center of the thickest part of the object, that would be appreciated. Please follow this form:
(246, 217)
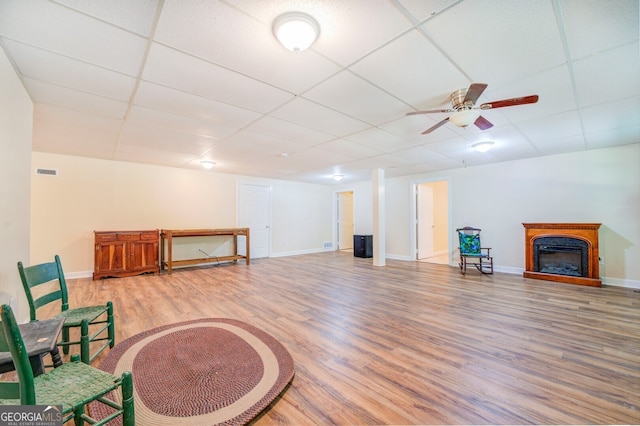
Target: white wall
(92, 194)
(16, 112)
(601, 186)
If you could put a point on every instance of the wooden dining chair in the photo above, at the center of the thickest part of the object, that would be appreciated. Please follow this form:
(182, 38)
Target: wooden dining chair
(72, 385)
(96, 323)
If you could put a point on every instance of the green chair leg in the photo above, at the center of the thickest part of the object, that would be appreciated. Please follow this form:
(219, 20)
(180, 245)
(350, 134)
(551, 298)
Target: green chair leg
(84, 342)
(112, 329)
(65, 338)
(128, 415)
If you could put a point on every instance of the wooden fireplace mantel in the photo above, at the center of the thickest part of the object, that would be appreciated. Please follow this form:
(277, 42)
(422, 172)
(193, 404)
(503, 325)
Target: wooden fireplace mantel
(587, 232)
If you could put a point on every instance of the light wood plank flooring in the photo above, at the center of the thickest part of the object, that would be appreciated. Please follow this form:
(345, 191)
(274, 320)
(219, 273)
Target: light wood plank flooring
(411, 342)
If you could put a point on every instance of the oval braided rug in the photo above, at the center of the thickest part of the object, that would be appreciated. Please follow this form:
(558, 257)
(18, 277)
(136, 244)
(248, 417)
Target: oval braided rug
(201, 372)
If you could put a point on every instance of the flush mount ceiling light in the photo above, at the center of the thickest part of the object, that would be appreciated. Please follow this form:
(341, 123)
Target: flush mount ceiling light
(296, 31)
(482, 146)
(207, 164)
(338, 178)
(464, 117)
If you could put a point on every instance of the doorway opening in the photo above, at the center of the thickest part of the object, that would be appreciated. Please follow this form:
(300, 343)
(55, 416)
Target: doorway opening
(431, 242)
(345, 220)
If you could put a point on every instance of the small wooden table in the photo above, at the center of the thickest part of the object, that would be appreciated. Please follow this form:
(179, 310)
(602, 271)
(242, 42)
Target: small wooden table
(168, 235)
(40, 338)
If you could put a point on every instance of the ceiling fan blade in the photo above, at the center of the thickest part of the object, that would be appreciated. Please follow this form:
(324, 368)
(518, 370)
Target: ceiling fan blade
(474, 91)
(510, 102)
(431, 111)
(432, 128)
(482, 123)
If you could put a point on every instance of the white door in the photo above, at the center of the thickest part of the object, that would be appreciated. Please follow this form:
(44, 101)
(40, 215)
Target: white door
(345, 220)
(424, 221)
(254, 207)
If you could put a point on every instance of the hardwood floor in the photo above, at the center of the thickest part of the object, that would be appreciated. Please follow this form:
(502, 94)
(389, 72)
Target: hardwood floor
(410, 342)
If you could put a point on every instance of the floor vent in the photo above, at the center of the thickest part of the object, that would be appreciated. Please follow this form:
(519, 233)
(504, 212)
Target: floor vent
(48, 172)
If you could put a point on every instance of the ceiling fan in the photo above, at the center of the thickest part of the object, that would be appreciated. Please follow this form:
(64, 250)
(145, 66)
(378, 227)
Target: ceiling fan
(465, 112)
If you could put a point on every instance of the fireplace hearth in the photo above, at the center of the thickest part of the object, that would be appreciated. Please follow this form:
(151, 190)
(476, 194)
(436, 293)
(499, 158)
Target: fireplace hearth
(563, 252)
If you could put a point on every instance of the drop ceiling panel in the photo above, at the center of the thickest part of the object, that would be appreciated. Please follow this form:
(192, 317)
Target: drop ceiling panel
(136, 16)
(349, 149)
(593, 26)
(149, 155)
(357, 98)
(39, 23)
(422, 9)
(502, 48)
(380, 140)
(164, 140)
(168, 67)
(57, 69)
(277, 128)
(563, 125)
(170, 100)
(185, 124)
(423, 79)
(611, 75)
(310, 114)
(46, 93)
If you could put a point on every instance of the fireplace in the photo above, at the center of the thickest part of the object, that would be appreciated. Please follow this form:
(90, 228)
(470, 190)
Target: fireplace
(563, 252)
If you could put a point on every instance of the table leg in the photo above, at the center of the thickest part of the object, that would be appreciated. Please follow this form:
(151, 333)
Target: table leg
(55, 357)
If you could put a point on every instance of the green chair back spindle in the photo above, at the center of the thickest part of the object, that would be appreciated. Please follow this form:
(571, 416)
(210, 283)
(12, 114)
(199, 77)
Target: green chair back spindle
(96, 323)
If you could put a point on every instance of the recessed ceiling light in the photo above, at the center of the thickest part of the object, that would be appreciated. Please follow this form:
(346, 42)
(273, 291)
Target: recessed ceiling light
(207, 164)
(295, 30)
(482, 146)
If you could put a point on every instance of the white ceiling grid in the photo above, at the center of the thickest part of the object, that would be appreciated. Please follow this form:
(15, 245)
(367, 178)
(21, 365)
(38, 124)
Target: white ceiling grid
(173, 82)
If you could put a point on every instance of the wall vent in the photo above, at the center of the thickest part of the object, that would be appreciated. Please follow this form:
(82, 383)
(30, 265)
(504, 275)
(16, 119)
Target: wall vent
(327, 244)
(48, 172)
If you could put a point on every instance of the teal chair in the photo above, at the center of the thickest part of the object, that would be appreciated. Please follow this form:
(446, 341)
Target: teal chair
(72, 385)
(472, 252)
(96, 323)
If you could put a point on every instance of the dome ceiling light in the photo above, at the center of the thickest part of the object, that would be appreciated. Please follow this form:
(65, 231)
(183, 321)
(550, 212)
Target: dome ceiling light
(296, 30)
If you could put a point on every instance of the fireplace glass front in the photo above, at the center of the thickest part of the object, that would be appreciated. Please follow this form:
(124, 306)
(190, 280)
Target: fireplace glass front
(561, 256)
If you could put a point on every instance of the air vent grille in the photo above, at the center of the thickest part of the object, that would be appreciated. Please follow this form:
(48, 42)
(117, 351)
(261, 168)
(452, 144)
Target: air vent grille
(47, 172)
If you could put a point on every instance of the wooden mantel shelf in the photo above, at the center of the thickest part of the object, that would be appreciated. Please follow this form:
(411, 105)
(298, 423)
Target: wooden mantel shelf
(588, 232)
(168, 235)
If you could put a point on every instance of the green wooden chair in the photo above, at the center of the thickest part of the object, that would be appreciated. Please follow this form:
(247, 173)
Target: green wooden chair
(97, 320)
(472, 252)
(72, 385)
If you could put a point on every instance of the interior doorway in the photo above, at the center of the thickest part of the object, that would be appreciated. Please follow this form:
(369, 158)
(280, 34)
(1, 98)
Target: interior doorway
(254, 207)
(345, 220)
(431, 213)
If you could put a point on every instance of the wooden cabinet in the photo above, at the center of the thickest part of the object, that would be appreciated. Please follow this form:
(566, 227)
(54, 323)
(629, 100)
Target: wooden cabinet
(125, 253)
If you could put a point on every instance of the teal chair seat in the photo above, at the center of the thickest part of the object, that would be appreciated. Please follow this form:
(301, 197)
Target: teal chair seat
(472, 252)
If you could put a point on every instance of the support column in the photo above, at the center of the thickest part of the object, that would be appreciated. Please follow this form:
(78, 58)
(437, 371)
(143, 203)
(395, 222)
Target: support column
(379, 218)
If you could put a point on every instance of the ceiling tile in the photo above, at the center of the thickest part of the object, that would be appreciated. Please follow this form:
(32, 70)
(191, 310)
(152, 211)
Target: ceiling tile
(39, 23)
(515, 38)
(593, 26)
(168, 67)
(170, 100)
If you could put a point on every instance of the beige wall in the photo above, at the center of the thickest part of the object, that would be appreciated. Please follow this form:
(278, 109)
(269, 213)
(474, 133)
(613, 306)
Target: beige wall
(16, 112)
(91, 194)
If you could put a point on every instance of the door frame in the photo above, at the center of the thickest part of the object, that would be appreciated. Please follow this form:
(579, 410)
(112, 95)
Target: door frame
(334, 215)
(413, 211)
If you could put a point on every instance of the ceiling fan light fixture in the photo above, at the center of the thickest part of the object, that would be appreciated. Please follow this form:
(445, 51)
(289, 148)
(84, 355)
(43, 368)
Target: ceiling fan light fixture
(483, 146)
(464, 117)
(296, 30)
(207, 164)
